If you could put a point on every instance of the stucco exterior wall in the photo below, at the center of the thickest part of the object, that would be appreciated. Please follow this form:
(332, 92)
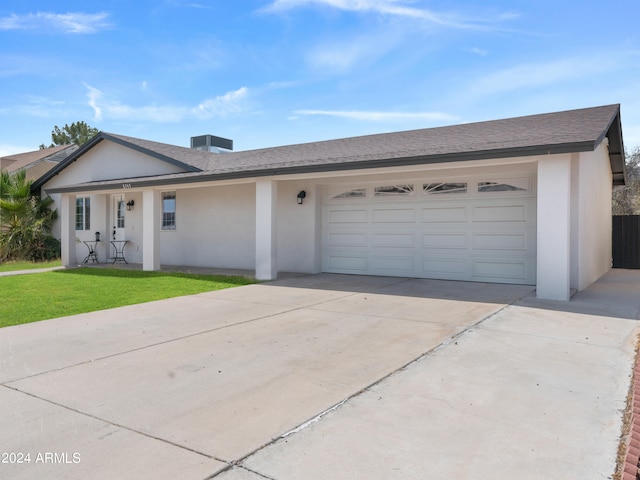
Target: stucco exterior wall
(298, 227)
(594, 216)
(215, 227)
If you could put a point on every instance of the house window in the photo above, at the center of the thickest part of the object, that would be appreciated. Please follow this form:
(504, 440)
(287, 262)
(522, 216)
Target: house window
(393, 190)
(83, 213)
(444, 188)
(511, 185)
(168, 210)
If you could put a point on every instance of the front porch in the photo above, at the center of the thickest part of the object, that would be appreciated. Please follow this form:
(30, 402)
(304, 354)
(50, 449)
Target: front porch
(220, 229)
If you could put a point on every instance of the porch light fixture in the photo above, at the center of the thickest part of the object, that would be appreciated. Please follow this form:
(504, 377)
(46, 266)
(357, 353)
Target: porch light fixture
(130, 204)
(97, 236)
(301, 196)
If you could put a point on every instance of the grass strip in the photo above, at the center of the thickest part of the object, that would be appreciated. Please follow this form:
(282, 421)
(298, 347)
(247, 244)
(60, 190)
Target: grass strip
(29, 298)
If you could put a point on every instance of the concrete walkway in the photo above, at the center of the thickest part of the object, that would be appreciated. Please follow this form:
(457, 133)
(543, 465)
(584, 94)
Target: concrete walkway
(325, 377)
(30, 271)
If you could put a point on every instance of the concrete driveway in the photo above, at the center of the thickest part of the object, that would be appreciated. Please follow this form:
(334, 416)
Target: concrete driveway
(325, 377)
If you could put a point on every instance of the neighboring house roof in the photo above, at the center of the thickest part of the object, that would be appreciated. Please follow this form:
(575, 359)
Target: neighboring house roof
(552, 133)
(53, 155)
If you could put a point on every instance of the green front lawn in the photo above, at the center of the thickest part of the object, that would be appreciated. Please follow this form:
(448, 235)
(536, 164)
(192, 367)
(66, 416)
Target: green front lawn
(15, 266)
(33, 297)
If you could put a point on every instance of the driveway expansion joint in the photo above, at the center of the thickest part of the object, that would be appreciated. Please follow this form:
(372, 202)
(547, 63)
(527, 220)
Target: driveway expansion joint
(338, 405)
(114, 424)
(152, 345)
(241, 467)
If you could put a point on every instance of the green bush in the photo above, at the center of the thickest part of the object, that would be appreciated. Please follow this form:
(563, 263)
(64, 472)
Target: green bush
(48, 248)
(25, 221)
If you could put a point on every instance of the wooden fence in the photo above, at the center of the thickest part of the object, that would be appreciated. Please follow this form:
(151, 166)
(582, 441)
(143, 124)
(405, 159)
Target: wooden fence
(626, 241)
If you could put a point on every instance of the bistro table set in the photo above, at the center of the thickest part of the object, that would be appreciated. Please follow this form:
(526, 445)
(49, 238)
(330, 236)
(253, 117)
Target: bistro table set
(92, 245)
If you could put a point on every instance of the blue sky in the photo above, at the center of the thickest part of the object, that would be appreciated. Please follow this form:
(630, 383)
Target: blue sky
(275, 72)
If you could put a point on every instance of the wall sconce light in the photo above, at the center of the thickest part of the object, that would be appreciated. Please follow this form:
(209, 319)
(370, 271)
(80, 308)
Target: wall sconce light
(130, 204)
(301, 196)
(97, 236)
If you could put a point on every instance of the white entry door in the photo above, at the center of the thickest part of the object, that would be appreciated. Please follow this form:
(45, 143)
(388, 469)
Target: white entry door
(118, 217)
(478, 229)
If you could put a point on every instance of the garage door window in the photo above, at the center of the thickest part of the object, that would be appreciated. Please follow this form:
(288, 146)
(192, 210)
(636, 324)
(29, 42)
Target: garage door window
(511, 185)
(437, 188)
(353, 193)
(393, 191)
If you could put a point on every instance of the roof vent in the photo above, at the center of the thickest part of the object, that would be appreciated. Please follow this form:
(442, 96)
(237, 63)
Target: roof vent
(211, 143)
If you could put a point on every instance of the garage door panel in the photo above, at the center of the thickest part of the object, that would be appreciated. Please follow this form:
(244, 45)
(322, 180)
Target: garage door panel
(445, 240)
(393, 265)
(394, 215)
(390, 239)
(500, 213)
(445, 215)
(445, 267)
(348, 239)
(503, 270)
(348, 216)
(348, 263)
(500, 241)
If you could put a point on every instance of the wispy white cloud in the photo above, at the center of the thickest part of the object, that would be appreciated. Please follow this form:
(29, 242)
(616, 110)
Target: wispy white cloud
(46, 22)
(223, 105)
(479, 51)
(341, 57)
(373, 116)
(396, 8)
(94, 96)
(36, 106)
(228, 104)
(532, 75)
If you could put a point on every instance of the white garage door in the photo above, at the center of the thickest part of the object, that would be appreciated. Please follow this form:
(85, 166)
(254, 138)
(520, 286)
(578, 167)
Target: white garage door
(480, 229)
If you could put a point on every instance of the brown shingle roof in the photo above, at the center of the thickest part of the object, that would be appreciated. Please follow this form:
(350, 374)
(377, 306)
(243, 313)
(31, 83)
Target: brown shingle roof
(189, 158)
(552, 132)
(23, 160)
(560, 132)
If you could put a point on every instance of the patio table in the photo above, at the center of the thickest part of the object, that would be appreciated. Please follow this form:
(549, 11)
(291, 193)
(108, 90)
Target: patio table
(119, 246)
(93, 256)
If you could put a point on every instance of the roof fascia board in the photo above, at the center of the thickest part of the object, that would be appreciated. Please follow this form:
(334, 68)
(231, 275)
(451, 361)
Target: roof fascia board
(335, 167)
(616, 151)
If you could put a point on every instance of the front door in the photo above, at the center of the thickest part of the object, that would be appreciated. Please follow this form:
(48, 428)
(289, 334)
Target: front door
(118, 209)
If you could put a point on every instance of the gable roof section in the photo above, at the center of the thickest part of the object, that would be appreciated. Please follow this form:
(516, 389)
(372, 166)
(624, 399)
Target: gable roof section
(552, 133)
(186, 158)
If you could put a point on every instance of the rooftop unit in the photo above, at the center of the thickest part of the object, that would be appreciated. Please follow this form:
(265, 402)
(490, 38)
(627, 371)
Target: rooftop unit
(211, 143)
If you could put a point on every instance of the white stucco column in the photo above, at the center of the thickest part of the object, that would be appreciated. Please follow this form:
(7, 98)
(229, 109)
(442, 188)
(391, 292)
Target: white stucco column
(68, 229)
(151, 203)
(554, 228)
(266, 238)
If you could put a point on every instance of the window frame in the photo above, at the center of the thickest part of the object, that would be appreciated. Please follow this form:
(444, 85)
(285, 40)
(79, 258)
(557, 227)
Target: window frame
(168, 219)
(83, 213)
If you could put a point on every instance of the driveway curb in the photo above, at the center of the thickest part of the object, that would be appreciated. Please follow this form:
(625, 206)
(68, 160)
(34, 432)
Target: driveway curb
(630, 446)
